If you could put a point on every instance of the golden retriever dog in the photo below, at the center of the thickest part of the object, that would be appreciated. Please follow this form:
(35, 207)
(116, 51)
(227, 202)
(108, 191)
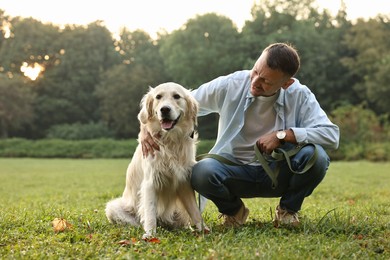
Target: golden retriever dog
(158, 191)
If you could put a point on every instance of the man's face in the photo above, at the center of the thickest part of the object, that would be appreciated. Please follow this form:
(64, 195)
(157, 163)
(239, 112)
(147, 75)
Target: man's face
(266, 81)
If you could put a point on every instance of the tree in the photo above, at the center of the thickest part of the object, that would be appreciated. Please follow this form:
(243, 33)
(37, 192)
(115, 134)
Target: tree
(16, 100)
(206, 47)
(370, 64)
(122, 87)
(66, 89)
(317, 37)
(30, 42)
(4, 27)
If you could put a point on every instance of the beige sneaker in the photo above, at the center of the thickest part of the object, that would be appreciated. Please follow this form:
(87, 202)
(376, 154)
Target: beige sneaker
(236, 220)
(283, 217)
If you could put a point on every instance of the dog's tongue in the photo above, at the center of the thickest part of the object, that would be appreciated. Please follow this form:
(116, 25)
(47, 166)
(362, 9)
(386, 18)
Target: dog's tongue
(167, 124)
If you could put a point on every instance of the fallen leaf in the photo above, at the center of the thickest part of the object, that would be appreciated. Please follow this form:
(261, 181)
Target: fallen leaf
(152, 240)
(89, 236)
(359, 236)
(60, 224)
(126, 242)
(206, 230)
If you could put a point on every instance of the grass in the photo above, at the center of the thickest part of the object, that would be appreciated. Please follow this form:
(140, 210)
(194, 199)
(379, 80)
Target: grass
(347, 217)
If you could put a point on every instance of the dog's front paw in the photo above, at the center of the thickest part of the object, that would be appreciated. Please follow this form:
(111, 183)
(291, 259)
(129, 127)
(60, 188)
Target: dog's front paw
(150, 232)
(147, 236)
(151, 239)
(201, 227)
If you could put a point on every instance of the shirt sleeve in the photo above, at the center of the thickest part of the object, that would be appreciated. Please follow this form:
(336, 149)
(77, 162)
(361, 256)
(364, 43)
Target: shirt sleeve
(313, 125)
(210, 95)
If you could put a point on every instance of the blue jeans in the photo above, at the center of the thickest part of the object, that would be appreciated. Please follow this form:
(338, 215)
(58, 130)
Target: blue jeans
(225, 185)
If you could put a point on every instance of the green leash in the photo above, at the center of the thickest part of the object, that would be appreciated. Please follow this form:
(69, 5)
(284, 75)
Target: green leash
(277, 155)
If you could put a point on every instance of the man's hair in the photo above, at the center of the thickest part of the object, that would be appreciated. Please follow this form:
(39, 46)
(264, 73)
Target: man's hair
(283, 57)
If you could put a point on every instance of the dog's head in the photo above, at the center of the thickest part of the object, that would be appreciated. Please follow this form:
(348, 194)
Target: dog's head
(169, 104)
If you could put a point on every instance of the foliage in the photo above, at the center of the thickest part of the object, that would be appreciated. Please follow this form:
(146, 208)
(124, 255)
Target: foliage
(56, 148)
(16, 104)
(31, 41)
(339, 220)
(364, 135)
(206, 47)
(79, 131)
(91, 76)
(60, 148)
(371, 62)
(66, 90)
(122, 86)
(358, 125)
(111, 148)
(317, 44)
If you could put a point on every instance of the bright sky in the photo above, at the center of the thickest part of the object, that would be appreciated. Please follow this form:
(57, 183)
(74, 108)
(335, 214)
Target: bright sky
(155, 15)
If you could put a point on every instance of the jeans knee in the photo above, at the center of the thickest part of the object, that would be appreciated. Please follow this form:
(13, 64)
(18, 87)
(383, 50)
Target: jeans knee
(206, 175)
(323, 160)
(315, 174)
(321, 163)
(199, 176)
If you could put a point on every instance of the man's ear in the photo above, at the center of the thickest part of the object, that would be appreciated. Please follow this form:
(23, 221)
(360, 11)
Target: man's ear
(288, 83)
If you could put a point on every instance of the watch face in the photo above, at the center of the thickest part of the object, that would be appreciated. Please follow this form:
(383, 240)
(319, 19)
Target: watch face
(281, 134)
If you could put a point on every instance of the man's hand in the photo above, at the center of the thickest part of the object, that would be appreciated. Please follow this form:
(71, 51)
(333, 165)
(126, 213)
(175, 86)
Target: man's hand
(268, 142)
(148, 144)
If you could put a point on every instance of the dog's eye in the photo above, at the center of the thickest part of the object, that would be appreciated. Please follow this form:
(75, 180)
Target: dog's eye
(176, 96)
(158, 97)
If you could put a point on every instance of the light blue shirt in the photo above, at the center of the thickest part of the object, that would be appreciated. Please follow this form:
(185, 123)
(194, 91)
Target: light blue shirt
(296, 108)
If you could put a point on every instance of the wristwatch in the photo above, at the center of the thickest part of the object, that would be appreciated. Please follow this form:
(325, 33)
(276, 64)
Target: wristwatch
(281, 134)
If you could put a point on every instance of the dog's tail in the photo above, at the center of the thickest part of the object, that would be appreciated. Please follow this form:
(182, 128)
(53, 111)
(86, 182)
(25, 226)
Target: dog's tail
(119, 212)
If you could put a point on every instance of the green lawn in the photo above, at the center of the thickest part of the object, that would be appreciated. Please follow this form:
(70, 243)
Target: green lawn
(347, 217)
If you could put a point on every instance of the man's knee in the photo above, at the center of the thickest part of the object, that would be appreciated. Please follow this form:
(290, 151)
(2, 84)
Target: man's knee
(206, 174)
(321, 162)
(200, 173)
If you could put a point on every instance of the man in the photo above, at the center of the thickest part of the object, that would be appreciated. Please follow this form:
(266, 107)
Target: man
(265, 106)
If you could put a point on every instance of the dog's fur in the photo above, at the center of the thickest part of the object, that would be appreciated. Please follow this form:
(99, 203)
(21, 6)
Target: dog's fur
(158, 191)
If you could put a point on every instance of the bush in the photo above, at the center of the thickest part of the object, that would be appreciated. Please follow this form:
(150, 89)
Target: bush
(358, 125)
(377, 152)
(55, 148)
(363, 134)
(110, 148)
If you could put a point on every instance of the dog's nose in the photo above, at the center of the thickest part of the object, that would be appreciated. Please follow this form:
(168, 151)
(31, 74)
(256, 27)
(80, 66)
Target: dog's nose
(165, 110)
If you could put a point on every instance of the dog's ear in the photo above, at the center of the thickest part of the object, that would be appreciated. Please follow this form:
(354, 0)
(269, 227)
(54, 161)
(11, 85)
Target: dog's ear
(192, 108)
(146, 105)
